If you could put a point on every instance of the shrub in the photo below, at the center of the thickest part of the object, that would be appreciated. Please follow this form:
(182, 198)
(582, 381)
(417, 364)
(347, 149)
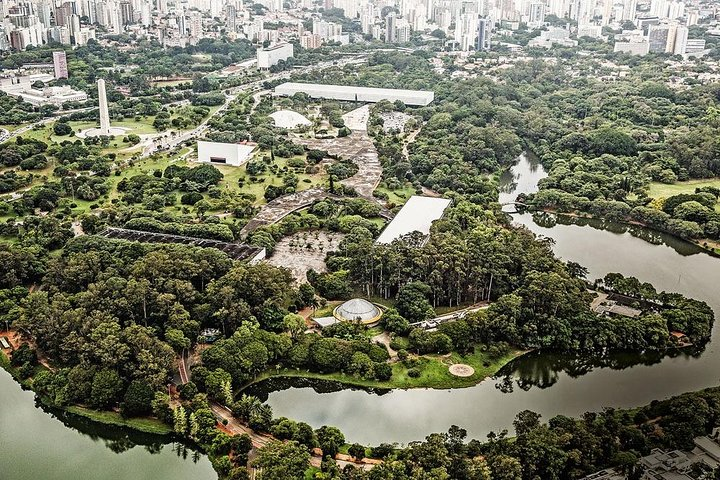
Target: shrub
(383, 371)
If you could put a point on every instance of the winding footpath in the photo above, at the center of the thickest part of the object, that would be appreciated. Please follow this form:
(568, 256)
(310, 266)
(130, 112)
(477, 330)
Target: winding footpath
(230, 425)
(358, 147)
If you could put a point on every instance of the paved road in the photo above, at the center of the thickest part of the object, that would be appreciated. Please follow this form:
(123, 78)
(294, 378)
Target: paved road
(232, 93)
(44, 121)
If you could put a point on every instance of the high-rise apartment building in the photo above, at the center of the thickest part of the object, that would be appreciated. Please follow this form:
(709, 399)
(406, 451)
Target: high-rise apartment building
(536, 14)
(681, 39)
(483, 34)
(60, 64)
(390, 22)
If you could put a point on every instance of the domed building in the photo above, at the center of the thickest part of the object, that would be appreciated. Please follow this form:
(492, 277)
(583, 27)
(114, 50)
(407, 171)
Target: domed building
(358, 310)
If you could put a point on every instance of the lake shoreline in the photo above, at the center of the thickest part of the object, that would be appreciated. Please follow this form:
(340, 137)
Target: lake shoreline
(706, 249)
(451, 383)
(147, 425)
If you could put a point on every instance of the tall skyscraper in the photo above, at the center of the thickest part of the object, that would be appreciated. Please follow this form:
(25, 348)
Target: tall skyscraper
(681, 39)
(231, 18)
(629, 8)
(195, 24)
(103, 106)
(607, 11)
(126, 13)
(390, 21)
(537, 14)
(658, 38)
(402, 31)
(483, 37)
(60, 64)
(63, 14)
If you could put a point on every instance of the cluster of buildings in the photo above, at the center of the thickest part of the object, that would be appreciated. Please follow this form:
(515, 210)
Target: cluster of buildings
(673, 465)
(29, 83)
(33, 23)
(42, 96)
(658, 25)
(653, 35)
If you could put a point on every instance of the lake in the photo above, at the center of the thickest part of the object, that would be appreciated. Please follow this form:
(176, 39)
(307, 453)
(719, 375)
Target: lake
(37, 443)
(546, 383)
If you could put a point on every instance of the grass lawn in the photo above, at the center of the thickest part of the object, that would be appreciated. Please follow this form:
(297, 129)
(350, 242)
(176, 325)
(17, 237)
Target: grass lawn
(39, 133)
(664, 190)
(385, 302)
(143, 126)
(310, 473)
(257, 188)
(169, 83)
(147, 425)
(398, 196)
(4, 360)
(327, 310)
(434, 372)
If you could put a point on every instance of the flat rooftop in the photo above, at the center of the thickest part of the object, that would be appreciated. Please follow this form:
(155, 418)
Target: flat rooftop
(360, 94)
(417, 215)
(277, 46)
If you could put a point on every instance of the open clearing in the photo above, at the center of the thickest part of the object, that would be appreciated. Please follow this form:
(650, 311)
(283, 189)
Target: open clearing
(304, 251)
(664, 190)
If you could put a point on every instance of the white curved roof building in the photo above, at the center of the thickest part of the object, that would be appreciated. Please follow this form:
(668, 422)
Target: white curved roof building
(289, 119)
(358, 310)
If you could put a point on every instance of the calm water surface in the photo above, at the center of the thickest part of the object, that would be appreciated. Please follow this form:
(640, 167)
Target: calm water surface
(40, 445)
(548, 384)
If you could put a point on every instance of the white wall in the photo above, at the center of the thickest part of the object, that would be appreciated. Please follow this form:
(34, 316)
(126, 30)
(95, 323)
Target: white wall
(267, 57)
(234, 154)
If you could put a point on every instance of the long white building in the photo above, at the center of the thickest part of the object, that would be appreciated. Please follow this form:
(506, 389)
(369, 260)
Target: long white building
(417, 215)
(359, 94)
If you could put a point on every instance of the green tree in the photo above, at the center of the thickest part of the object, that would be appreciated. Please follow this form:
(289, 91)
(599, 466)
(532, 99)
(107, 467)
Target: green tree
(216, 385)
(180, 420)
(294, 324)
(62, 129)
(177, 339)
(106, 388)
(357, 451)
(138, 399)
(282, 461)
(412, 302)
(329, 439)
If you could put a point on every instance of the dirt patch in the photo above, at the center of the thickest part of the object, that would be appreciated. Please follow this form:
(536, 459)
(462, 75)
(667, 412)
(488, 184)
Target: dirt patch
(13, 338)
(461, 370)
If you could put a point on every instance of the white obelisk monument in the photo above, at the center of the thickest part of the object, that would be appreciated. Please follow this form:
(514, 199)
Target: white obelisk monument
(104, 113)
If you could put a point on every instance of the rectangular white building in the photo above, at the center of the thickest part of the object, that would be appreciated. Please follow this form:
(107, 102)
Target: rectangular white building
(633, 47)
(359, 94)
(235, 154)
(22, 87)
(267, 57)
(417, 215)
